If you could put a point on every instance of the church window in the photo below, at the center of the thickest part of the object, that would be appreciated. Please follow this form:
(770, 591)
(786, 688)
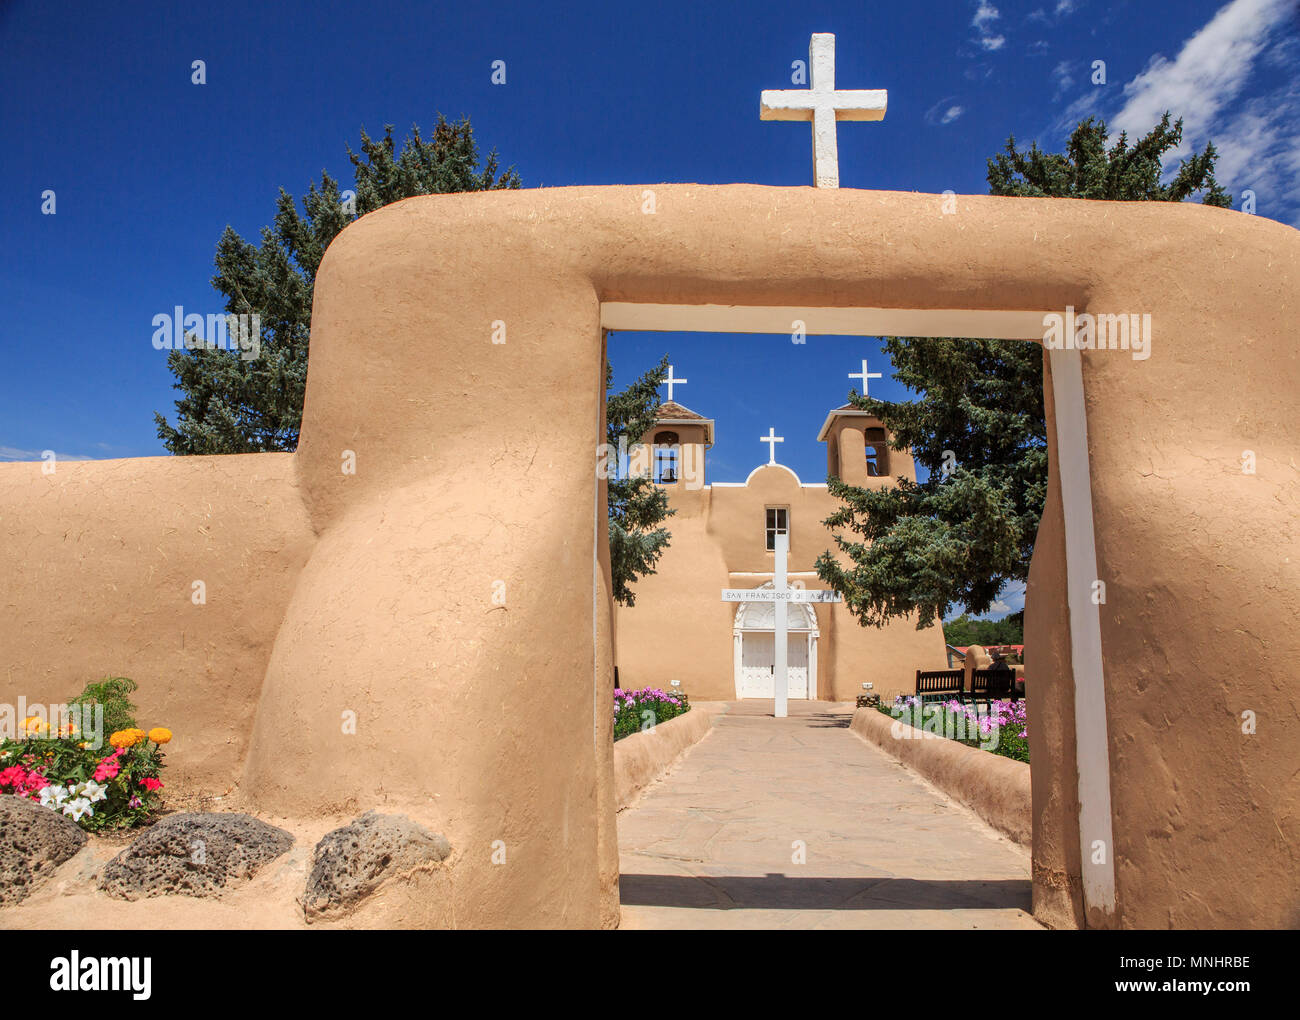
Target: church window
(778, 523)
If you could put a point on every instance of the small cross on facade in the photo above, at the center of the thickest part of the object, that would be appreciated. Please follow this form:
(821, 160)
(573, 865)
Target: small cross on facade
(670, 381)
(864, 375)
(823, 104)
(771, 439)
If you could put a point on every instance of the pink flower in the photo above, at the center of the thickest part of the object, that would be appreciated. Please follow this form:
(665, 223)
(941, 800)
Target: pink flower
(151, 785)
(14, 775)
(36, 781)
(109, 767)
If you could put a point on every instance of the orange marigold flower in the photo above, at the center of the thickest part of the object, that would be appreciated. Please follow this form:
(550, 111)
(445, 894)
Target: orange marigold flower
(126, 738)
(34, 724)
(160, 734)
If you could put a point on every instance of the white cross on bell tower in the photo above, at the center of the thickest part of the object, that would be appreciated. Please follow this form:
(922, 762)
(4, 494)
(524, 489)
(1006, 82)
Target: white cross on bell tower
(823, 104)
(864, 375)
(670, 381)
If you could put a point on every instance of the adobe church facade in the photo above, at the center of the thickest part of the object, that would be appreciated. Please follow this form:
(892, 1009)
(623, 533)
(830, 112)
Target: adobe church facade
(723, 536)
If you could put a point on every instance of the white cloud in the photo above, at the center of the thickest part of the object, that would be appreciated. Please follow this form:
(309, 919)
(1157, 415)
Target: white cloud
(1258, 144)
(945, 111)
(985, 15)
(1259, 149)
(1063, 9)
(1062, 77)
(12, 453)
(1012, 598)
(1208, 72)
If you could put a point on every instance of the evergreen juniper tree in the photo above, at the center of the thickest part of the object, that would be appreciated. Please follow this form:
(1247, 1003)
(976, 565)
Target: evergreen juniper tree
(232, 405)
(636, 505)
(957, 539)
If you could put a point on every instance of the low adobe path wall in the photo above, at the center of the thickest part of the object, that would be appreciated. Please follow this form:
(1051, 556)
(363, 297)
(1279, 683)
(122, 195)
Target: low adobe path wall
(994, 787)
(643, 757)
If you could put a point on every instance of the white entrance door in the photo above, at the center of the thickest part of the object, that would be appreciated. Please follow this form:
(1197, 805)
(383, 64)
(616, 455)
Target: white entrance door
(758, 664)
(797, 665)
(757, 660)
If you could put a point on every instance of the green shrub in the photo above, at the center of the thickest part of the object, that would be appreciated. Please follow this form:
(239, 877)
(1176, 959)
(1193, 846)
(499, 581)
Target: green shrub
(111, 693)
(637, 711)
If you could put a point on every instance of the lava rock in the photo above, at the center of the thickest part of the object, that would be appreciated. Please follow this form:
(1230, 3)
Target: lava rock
(351, 862)
(34, 841)
(201, 854)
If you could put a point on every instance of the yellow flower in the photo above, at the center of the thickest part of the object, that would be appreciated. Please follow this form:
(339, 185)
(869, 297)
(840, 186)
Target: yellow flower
(126, 738)
(160, 734)
(33, 724)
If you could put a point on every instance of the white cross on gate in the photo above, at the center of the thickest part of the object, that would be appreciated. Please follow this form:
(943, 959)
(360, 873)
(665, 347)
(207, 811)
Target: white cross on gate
(781, 596)
(823, 104)
(771, 439)
(671, 382)
(864, 375)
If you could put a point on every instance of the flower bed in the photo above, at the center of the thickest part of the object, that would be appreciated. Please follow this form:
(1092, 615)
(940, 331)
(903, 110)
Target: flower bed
(638, 711)
(1002, 727)
(64, 768)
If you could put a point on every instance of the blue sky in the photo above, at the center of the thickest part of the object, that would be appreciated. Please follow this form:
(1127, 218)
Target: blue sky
(148, 168)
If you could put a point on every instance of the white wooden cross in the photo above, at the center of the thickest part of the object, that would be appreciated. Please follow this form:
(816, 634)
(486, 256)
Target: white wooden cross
(781, 596)
(771, 439)
(671, 381)
(823, 104)
(864, 375)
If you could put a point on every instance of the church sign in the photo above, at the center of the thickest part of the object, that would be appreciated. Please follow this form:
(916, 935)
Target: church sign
(768, 595)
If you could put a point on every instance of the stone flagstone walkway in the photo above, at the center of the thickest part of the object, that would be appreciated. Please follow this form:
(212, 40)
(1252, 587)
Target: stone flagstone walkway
(711, 844)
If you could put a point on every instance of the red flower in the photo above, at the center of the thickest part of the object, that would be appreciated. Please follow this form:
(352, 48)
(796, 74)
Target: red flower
(151, 784)
(14, 775)
(108, 767)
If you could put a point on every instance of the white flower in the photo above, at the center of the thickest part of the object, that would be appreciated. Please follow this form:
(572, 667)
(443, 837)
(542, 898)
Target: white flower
(53, 796)
(93, 791)
(78, 809)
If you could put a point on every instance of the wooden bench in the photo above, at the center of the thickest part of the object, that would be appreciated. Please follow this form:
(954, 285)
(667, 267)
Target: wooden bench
(935, 684)
(993, 685)
(986, 685)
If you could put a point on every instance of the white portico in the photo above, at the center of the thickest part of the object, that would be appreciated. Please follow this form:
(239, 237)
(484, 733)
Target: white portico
(754, 637)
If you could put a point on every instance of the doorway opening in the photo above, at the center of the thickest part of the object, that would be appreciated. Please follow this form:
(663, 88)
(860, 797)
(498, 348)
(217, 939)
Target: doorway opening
(1065, 399)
